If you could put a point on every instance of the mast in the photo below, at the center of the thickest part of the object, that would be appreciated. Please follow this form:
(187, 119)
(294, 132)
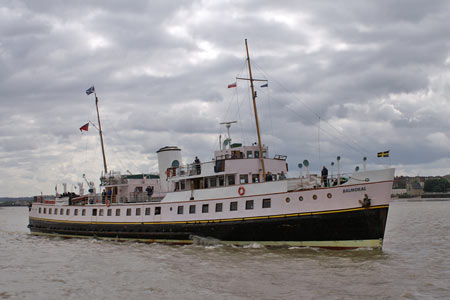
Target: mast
(261, 158)
(101, 135)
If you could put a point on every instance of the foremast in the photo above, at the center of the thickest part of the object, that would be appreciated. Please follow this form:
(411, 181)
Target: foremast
(101, 135)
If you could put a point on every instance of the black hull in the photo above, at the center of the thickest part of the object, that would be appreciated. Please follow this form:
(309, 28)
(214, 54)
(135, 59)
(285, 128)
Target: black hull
(350, 225)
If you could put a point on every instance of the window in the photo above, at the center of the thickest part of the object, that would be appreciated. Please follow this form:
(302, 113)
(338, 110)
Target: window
(233, 205)
(67, 212)
(249, 154)
(205, 208)
(256, 154)
(75, 212)
(264, 154)
(213, 181)
(128, 211)
(100, 212)
(249, 204)
(219, 207)
(180, 210)
(192, 209)
(45, 210)
(158, 210)
(138, 211)
(147, 211)
(109, 212)
(40, 209)
(243, 178)
(49, 211)
(183, 184)
(83, 212)
(56, 211)
(117, 212)
(255, 178)
(221, 181)
(266, 203)
(139, 189)
(94, 212)
(230, 179)
(61, 211)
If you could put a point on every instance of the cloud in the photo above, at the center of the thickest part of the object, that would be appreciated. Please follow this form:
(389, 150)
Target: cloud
(375, 73)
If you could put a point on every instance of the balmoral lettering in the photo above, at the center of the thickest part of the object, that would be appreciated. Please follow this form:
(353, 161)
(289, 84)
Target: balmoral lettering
(356, 189)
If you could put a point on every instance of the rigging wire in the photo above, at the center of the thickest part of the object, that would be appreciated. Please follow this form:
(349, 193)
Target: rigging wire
(238, 113)
(360, 150)
(318, 143)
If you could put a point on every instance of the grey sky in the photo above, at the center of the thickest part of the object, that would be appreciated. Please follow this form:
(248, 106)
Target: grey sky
(377, 73)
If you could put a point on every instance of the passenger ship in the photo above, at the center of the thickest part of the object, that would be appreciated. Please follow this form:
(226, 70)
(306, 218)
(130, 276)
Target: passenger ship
(240, 197)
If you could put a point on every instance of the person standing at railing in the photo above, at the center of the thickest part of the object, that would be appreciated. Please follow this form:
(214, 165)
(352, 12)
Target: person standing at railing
(197, 165)
(325, 176)
(149, 191)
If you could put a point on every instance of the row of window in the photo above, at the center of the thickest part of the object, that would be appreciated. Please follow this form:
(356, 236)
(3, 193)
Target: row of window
(218, 181)
(249, 204)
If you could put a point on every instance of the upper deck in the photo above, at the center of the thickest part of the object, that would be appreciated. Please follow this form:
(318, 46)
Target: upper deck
(236, 165)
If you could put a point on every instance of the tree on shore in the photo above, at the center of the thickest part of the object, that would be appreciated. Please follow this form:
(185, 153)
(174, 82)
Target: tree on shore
(437, 185)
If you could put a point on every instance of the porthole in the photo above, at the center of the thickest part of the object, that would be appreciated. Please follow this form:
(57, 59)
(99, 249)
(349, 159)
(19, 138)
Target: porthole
(329, 195)
(300, 198)
(288, 199)
(314, 197)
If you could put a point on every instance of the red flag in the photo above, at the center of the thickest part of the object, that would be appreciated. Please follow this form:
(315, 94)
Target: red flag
(85, 127)
(232, 85)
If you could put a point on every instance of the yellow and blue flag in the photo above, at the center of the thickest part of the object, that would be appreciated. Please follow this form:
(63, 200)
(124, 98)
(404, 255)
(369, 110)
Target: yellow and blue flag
(383, 154)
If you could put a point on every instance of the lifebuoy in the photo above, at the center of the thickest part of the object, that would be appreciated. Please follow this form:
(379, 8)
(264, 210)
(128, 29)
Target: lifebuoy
(241, 190)
(107, 203)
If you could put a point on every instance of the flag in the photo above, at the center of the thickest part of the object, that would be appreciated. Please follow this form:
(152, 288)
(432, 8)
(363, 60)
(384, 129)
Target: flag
(90, 90)
(265, 84)
(383, 154)
(232, 85)
(85, 127)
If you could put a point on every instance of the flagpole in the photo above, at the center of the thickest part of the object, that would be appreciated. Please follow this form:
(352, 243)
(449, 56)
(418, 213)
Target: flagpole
(256, 113)
(101, 134)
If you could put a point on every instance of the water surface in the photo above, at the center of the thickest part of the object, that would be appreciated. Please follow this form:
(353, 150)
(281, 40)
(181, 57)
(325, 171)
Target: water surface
(414, 264)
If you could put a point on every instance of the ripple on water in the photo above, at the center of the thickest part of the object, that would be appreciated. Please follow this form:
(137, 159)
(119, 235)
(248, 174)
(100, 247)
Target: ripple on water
(411, 265)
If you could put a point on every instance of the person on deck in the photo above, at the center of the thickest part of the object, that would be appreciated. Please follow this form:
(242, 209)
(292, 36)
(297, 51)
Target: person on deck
(197, 165)
(149, 191)
(269, 177)
(325, 176)
(282, 176)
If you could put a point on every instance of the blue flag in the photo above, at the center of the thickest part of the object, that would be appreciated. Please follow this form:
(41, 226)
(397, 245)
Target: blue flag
(265, 85)
(90, 90)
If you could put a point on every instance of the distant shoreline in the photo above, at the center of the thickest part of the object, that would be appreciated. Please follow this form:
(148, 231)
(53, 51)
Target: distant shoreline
(419, 199)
